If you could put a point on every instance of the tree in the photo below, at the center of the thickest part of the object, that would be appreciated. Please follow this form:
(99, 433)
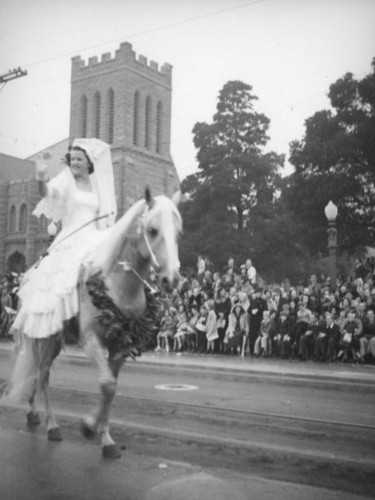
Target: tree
(236, 180)
(336, 160)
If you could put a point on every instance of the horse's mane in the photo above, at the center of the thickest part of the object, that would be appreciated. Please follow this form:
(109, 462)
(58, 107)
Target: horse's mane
(108, 251)
(104, 256)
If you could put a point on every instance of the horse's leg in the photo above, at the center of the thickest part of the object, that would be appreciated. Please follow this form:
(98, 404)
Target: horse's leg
(98, 355)
(53, 346)
(53, 429)
(109, 447)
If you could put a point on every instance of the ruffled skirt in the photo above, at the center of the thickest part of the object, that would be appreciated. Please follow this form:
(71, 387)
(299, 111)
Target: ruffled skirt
(48, 295)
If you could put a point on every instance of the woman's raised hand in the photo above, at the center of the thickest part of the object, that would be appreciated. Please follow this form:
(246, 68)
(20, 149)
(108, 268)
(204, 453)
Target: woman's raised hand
(42, 166)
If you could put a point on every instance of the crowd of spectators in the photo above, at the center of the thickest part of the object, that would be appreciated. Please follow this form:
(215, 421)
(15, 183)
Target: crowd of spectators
(234, 312)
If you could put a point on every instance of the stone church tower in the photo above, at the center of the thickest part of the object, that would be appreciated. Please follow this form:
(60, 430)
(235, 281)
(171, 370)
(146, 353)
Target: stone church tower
(126, 102)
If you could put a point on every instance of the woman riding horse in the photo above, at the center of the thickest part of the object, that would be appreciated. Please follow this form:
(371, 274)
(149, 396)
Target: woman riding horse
(81, 197)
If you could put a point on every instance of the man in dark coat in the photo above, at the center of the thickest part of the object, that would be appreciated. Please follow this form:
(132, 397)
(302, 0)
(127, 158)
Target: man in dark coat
(256, 308)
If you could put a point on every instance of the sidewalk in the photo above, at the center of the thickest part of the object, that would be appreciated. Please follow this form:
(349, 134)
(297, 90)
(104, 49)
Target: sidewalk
(345, 372)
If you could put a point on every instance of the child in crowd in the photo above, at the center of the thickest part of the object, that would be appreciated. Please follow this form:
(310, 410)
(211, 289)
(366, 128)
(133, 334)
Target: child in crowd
(263, 343)
(181, 329)
(201, 329)
(221, 325)
(167, 330)
(211, 326)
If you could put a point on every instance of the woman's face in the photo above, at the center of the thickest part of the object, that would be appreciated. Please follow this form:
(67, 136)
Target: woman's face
(79, 164)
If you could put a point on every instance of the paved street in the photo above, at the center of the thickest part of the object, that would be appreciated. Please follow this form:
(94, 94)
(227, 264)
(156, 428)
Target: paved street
(200, 427)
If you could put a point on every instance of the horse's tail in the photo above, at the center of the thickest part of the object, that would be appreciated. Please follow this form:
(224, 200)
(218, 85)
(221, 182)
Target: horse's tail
(33, 359)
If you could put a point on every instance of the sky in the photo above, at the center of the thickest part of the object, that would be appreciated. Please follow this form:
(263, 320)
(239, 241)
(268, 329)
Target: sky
(289, 51)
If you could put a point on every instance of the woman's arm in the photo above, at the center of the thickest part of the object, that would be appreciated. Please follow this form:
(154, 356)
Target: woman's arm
(41, 176)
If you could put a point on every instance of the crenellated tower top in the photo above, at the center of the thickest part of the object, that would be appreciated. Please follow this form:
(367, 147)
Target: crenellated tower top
(125, 58)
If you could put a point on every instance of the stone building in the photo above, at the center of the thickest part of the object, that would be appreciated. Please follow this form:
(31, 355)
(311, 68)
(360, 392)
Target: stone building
(123, 100)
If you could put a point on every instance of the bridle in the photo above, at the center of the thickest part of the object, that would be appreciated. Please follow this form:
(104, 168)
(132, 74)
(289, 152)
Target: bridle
(142, 231)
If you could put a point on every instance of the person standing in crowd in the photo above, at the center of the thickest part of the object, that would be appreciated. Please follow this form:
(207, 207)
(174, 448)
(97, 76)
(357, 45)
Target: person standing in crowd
(251, 271)
(314, 287)
(201, 268)
(367, 339)
(211, 326)
(230, 266)
(257, 306)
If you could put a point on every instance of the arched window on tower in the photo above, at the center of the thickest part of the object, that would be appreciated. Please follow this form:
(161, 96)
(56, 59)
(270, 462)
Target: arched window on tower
(136, 119)
(83, 116)
(97, 104)
(111, 114)
(12, 219)
(148, 123)
(159, 112)
(23, 218)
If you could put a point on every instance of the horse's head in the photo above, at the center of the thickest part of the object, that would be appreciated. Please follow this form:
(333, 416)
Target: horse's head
(160, 226)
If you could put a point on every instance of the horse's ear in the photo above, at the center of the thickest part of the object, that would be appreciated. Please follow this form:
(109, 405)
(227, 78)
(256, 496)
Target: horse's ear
(148, 197)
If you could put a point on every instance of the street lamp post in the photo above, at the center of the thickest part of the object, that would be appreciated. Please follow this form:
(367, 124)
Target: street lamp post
(331, 214)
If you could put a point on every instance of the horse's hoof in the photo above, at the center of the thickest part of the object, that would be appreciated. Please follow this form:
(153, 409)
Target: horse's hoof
(111, 451)
(54, 434)
(86, 431)
(32, 419)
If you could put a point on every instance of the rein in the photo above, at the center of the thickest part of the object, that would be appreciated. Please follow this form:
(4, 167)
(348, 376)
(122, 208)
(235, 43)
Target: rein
(128, 267)
(36, 265)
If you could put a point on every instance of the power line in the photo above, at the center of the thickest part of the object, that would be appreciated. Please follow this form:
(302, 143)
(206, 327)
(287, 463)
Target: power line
(147, 32)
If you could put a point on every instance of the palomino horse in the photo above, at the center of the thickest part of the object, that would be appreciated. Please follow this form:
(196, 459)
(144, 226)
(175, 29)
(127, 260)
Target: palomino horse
(113, 302)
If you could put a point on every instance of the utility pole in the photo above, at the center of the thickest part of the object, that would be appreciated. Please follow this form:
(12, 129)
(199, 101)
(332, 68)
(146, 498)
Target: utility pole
(12, 75)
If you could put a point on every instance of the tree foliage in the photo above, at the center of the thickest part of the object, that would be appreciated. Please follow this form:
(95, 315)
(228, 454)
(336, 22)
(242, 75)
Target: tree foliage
(336, 161)
(236, 181)
(239, 204)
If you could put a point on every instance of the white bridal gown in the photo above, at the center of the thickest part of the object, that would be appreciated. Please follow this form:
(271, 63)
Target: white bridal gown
(48, 294)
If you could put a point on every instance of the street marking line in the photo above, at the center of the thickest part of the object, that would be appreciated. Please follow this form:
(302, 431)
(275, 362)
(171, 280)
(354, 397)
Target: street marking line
(176, 387)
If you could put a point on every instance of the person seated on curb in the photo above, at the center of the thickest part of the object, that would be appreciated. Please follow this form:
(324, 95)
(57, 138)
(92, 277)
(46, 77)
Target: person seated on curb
(167, 330)
(181, 329)
(349, 341)
(191, 333)
(307, 339)
(201, 328)
(284, 335)
(263, 344)
(367, 341)
(304, 318)
(238, 328)
(327, 340)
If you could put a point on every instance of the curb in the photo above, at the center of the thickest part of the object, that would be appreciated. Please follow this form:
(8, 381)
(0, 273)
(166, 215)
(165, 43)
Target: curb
(364, 374)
